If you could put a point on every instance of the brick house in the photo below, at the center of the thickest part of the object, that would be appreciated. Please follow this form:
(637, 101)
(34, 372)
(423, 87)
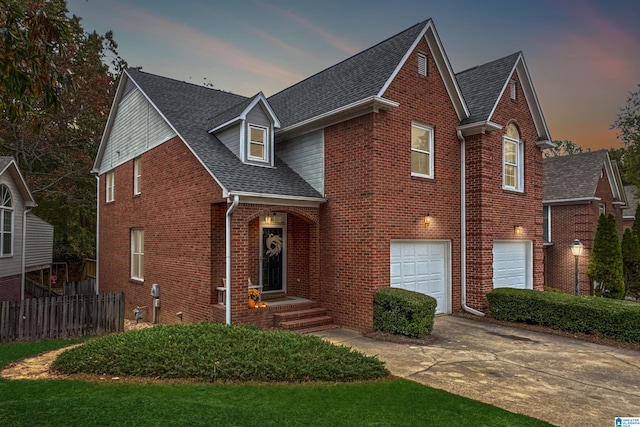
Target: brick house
(578, 188)
(26, 241)
(386, 169)
(629, 213)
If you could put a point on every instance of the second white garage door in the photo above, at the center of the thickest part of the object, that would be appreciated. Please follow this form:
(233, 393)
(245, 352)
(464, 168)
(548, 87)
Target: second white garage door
(423, 266)
(512, 264)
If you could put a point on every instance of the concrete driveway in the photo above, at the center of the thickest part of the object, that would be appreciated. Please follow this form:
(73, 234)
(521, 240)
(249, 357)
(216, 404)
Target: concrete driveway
(559, 380)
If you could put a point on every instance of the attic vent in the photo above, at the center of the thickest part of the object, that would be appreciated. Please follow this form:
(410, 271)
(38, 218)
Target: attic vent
(422, 64)
(512, 89)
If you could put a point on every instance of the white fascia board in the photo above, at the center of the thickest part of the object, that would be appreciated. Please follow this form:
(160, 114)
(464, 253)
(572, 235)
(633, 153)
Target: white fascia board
(224, 190)
(278, 199)
(442, 62)
(479, 127)
(259, 98)
(545, 143)
(571, 201)
(366, 105)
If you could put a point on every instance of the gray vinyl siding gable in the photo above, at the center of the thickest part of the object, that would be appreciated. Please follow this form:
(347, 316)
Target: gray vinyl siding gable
(39, 250)
(231, 138)
(137, 128)
(12, 265)
(257, 116)
(305, 155)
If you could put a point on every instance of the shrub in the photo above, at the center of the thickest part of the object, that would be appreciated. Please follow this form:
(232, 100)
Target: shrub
(615, 319)
(631, 263)
(400, 311)
(605, 263)
(218, 352)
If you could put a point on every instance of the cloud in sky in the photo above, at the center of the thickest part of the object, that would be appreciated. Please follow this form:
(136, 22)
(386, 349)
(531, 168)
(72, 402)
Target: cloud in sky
(337, 42)
(200, 43)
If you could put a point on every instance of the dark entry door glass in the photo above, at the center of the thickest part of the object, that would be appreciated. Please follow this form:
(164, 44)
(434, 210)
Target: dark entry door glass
(272, 257)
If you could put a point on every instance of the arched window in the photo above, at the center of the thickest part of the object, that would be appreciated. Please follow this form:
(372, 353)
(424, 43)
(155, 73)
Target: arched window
(512, 159)
(6, 221)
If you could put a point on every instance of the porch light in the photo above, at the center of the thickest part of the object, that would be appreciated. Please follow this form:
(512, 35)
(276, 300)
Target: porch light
(517, 229)
(427, 220)
(267, 219)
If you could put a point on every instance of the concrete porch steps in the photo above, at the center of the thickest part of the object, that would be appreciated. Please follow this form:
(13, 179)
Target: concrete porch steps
(304, 321)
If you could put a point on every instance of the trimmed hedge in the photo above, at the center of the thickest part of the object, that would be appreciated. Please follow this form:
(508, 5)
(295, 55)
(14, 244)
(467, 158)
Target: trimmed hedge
(614, 319)
(399, 311)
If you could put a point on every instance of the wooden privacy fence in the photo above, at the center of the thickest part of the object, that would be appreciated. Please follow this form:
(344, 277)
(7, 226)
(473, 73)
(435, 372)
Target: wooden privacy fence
(61, 317)
(83, 287)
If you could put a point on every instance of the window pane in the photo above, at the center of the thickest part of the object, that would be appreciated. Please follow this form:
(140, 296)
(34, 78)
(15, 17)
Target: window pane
(6, 244)
(510, 152)
(257, 150)
(257, 135)
(509, 176)
(420, 139)
(6, 222)
(512, 132)
(420, 163)
(141, 272)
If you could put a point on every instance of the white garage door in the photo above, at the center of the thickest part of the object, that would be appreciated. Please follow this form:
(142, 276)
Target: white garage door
(423, 267)
(512, 264)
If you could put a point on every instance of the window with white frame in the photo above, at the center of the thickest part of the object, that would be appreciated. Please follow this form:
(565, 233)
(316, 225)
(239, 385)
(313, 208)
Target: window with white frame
(421, 150)
(110, 186)
(258, 137)
(546, 223)
(512, 89)
(6, 221)
(512, 160)
(422, 64)
(137, 176)
(137, 253)
(602, 209)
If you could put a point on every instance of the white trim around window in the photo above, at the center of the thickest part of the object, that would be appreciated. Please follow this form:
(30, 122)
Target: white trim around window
(258, 143)
(512, 160)
(110, 184)
(137, 176)
(546, 223)
(421, 150)
(137, 254)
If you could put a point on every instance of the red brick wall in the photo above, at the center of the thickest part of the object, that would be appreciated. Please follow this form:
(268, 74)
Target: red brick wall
(10, 288)
(175, 210)
(492, 212)
(373, 199)
(570, 222)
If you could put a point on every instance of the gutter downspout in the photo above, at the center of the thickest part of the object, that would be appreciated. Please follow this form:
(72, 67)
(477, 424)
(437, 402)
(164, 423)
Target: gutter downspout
(233, 207)
(23, 265)
(97, 234)
(463, 228)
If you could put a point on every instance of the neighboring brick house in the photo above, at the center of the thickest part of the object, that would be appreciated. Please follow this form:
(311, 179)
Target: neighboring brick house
(17, 226)
(629, 213)
(386, 169)
(578, 188)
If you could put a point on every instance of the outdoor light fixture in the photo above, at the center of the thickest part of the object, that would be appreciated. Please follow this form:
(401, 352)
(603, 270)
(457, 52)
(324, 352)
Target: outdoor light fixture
(517, 229)
(427, 220)
(576, 249)
(267, 219)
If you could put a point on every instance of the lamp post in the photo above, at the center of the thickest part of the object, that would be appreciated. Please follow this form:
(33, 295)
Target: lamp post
(576, 250)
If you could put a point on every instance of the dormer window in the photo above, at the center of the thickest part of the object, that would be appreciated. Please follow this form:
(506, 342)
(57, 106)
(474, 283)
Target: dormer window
(258, 137)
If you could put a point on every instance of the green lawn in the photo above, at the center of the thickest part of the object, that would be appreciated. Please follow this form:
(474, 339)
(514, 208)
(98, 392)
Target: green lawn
(389, 402)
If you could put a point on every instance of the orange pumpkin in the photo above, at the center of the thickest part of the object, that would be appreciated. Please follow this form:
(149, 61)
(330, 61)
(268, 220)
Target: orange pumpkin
(251, 303)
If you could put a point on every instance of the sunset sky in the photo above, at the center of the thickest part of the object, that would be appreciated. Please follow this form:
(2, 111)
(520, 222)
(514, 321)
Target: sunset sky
(583, 55)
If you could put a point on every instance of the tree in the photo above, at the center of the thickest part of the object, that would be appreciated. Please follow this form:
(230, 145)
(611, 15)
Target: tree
(56, 158)
(605, 263)
(628, 124)
(34, 35)
(631, 263)
(563, 148)
(617, 155)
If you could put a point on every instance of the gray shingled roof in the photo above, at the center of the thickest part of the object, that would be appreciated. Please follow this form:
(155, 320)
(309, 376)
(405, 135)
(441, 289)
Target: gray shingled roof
(632, 200)
(229, 114)
(354, 79)
(574, 176)
(189, 108)
(481, 86)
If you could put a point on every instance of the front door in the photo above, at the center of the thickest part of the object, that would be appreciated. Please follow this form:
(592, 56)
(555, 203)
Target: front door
(272, 257)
